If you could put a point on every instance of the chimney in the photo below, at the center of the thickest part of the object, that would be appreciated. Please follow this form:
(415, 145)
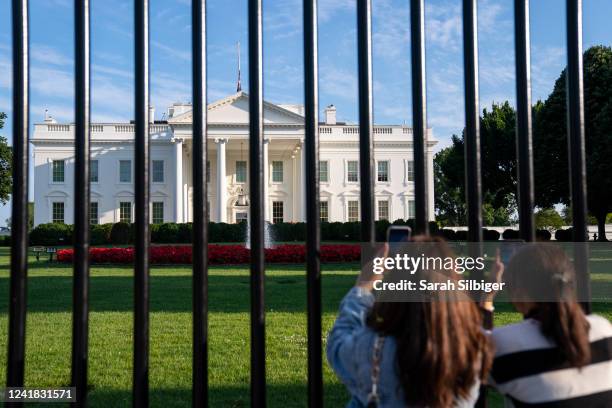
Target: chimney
(330, 115)
(49, 118)
(151, 114)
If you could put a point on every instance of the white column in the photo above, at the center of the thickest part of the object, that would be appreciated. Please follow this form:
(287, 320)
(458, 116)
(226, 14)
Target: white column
(221, 181)
(302, 184)
(266, 183)
(178, 192)
(430, 187)
(294, 186)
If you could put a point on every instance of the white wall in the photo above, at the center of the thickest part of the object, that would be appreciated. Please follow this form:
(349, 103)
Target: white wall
(108, 191)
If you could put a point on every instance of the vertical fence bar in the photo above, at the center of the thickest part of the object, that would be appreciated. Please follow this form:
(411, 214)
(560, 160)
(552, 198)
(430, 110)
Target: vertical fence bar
(576, 144)
(141, 190)
(200, 207)
(19, 197)
(419, 114)
(257, 224)
(473, 179)
(366, 145)
(524, 145)
(80, 289)
(313, 220)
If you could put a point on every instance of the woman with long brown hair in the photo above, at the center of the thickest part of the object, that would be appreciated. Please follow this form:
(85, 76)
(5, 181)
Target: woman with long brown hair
(557, 356)
(425, 353)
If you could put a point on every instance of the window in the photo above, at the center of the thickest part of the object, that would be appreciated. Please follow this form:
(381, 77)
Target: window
(158, 171)
(58, 213)
(241, 171)
(58, 171)
(125, 171)
(409, 171)
(277, 212)
(353, 211)
(93, 213)
(125, 211)
(93, 171)
(352, 171)
(208, 171)
(383, 171)
(411, 209)
(242, 216)
(158, 212)
(383, 210)
(324, 171)
(277, 171)
(324, 211)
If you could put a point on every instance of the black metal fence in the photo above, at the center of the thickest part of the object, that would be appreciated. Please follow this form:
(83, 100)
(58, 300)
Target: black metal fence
(19, 246)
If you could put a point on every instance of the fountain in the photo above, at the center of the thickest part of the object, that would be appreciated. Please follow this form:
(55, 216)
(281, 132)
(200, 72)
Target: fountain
(243, 202)
(268, 242)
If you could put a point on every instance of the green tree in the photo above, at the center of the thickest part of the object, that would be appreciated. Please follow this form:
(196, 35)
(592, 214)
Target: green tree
(550, 139)
(449, 196)
(498, 161)
(549, 219)
(5, 165)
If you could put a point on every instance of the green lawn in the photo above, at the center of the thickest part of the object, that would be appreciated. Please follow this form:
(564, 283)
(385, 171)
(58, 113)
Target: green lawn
(49, 328)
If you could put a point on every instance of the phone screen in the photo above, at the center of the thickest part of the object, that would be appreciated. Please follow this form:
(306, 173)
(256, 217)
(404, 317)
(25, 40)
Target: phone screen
(399, 234)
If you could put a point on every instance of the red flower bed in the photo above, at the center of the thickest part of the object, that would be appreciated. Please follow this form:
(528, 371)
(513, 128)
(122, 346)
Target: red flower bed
(217, 254)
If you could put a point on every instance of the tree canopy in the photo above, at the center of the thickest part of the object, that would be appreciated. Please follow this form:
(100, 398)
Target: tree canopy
(5, 165)
(498, 162)
(550, 139)
(551, 168)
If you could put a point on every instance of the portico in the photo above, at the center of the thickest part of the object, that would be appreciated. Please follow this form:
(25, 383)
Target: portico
(228, 178)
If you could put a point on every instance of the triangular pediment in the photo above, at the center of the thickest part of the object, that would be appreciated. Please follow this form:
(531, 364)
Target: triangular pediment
(234, 110)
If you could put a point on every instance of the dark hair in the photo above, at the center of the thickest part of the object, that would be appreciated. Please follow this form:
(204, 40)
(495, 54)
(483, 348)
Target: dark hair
(563, 321)
(441, 347)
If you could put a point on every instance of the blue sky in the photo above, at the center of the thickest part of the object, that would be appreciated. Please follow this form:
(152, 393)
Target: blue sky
(112, 56)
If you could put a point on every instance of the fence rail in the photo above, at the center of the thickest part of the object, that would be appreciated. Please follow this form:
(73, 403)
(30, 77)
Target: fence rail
(365, 130)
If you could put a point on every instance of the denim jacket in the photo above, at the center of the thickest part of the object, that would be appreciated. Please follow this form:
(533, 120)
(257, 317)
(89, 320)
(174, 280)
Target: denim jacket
(350, 346)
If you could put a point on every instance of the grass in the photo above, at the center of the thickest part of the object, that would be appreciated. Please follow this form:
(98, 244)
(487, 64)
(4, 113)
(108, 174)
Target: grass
(49, 332)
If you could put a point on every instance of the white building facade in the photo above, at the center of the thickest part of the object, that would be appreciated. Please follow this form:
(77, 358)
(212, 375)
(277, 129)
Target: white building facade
(112, 167)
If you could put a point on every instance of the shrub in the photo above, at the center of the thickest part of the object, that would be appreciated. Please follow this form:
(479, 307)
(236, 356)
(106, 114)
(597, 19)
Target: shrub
(447, 234)
(381, 230)
(51, 234)
(217, 254)
(5, 241)
(222, 232)
(101, 234)
(461, 235)
(173, 233)
(166, 233)
(543, 235)
(490, 235)
(564, 235)
(120, 233)
(185, 233)
(511, 234)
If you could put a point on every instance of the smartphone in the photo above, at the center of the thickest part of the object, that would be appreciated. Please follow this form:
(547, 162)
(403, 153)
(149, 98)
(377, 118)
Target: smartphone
(398, 233)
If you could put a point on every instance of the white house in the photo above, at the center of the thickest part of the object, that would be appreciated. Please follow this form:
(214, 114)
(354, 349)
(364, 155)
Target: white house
(112, 171)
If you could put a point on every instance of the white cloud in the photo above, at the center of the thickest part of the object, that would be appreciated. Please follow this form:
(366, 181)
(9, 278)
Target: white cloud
(46, 54)
(391, 30)
(443, 26)
(52, 82)
(338, 82)
(103, 69)
(169, 51)
(329, 8)
(546, 66)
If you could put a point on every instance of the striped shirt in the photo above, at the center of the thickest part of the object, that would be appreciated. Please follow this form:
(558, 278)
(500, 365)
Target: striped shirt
(530, 371)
